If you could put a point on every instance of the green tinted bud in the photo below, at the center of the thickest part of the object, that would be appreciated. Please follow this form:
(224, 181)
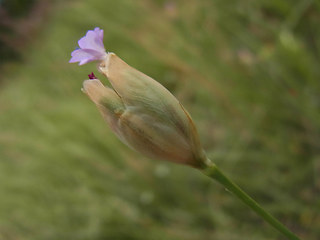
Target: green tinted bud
(144, 114)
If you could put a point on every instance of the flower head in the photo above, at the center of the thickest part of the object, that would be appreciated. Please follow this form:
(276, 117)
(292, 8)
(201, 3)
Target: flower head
(91, 48)
(139, 110)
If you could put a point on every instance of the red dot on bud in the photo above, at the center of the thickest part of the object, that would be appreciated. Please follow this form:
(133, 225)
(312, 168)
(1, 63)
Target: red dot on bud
(92, 76)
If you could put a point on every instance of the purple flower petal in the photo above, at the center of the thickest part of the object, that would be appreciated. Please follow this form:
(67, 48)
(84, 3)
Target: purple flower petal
(92, 40)
(91, 48)
(99, 32)
(84, 56)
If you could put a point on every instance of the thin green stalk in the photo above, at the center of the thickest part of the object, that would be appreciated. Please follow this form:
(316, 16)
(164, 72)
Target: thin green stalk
(213, 171)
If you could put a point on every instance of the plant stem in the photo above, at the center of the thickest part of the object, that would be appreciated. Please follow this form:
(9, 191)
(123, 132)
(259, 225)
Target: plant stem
(213, 171)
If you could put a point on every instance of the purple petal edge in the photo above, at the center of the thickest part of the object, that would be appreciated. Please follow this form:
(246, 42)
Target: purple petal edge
(84, 56)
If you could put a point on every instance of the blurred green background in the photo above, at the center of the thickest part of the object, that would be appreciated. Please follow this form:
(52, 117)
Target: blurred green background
(247, 71)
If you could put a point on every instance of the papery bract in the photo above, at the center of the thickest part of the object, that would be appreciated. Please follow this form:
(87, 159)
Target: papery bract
(144, 114)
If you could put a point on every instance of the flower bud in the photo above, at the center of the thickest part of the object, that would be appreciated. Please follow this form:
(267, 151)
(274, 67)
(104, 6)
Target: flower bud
(144, 114)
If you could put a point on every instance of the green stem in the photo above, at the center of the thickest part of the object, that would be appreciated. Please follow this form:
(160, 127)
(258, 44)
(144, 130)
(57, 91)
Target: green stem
(213, 171)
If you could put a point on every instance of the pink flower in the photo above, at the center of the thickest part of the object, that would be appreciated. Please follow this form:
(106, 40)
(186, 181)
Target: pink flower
(91, 48)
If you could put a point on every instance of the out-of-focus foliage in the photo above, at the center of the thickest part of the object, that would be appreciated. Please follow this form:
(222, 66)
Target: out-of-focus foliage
(17, 8)
(247, 71)
(17, 20)
(10, 10)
